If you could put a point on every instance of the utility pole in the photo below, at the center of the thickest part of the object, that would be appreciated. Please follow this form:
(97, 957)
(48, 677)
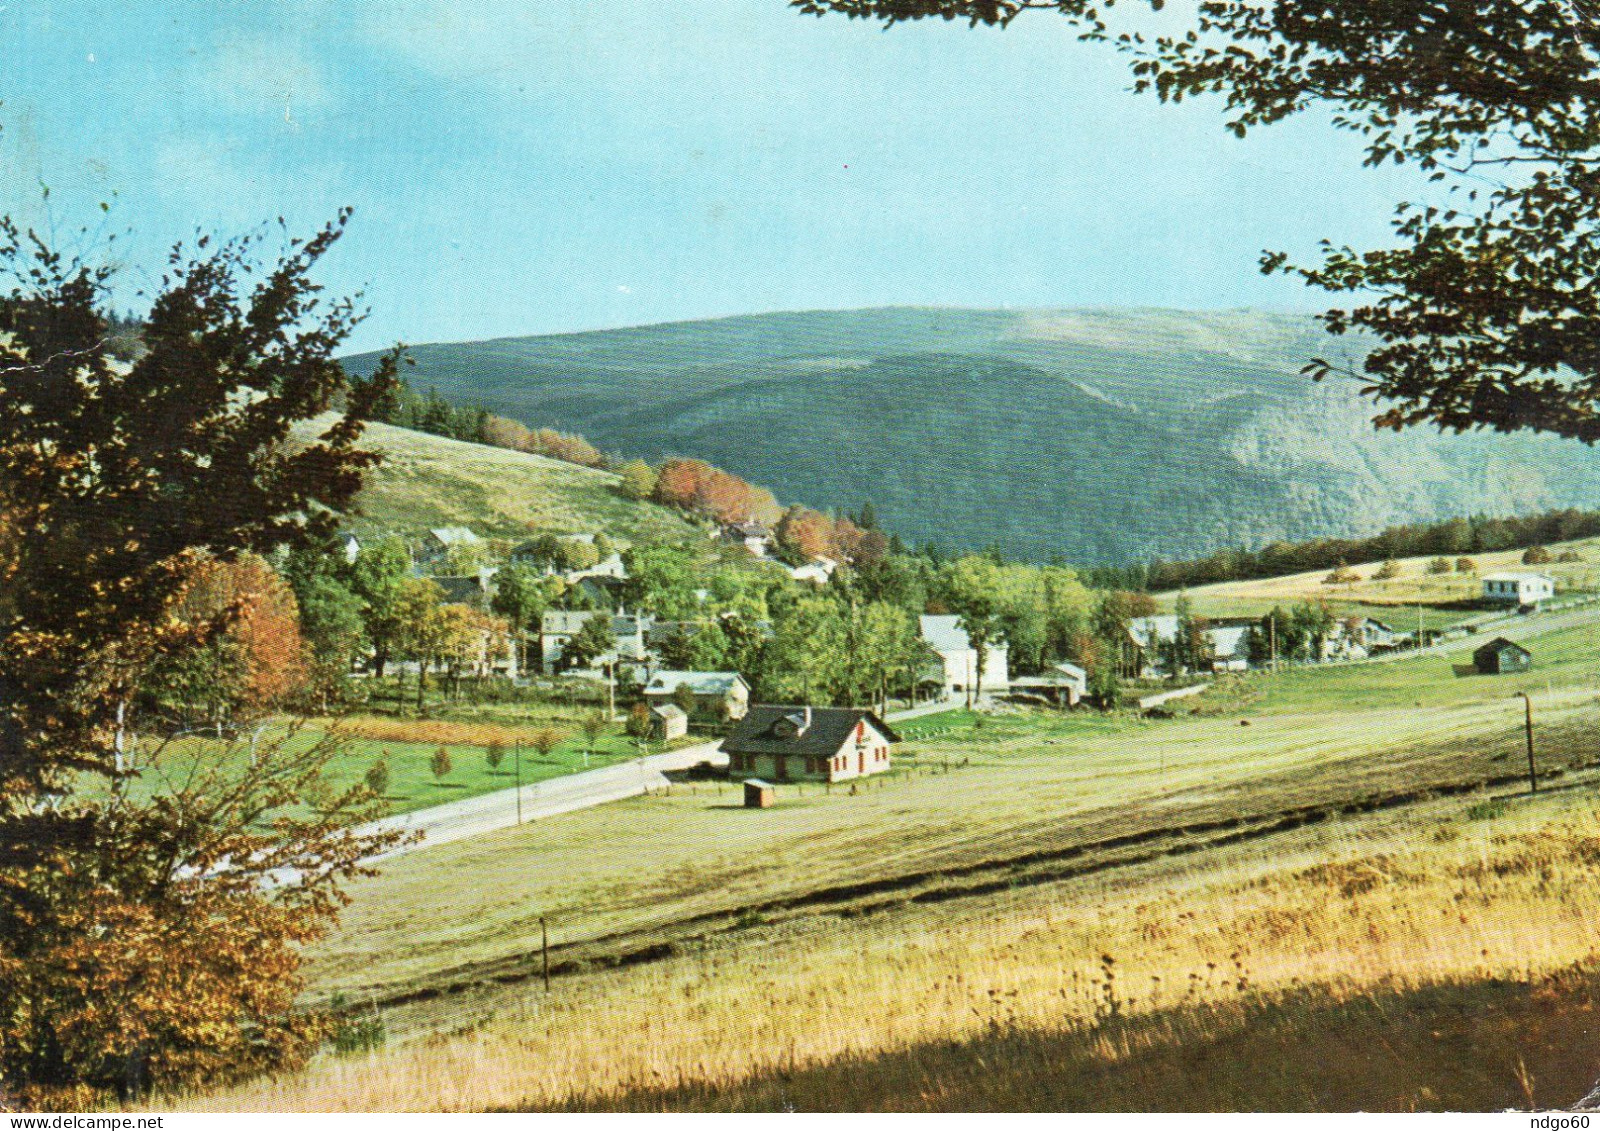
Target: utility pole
(1527, 705)
(516, 757)
(544, 951)
(1272, 635)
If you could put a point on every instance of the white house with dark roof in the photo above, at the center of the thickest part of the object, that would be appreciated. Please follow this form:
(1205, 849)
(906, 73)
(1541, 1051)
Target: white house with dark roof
(1518, 588)
(809, 743)
(945, 636)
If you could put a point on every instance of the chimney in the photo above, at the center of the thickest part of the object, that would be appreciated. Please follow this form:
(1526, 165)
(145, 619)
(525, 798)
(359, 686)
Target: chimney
(805, 724)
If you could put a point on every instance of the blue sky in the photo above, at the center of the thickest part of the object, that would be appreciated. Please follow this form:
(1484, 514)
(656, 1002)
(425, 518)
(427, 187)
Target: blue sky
(554, 165)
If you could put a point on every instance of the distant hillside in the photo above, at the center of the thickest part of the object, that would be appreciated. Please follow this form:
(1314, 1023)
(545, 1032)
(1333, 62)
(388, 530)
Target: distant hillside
(427, 481)
(1106, 436)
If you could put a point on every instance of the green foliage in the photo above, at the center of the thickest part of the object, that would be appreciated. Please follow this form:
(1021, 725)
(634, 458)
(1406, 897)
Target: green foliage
(1439, 566)
(494, 754)
(441, 764)
(1388, 571)
(638, 724)
(377, 776)
(1536, 555)
(594, 640)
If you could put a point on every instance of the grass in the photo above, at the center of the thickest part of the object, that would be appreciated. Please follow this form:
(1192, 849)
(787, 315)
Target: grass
(1032, 782)
(941, 940)
(426, 481)
(1446, 599)
(1404, 961)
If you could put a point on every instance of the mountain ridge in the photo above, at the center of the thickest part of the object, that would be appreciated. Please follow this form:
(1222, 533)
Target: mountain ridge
(1100, 435)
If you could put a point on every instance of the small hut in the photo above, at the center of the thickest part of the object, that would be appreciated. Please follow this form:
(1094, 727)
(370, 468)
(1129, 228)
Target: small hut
(1501, 656)
(667, 721)
(758, 794)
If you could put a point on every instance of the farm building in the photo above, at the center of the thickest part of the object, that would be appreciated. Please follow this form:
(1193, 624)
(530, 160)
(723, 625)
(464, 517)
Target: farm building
(438, 542)
(667, 721)
(1064, 684)
(1518, 588)
(810, 743)
(1500, 656)
(958, 660)
(1150, 642)
(717, 695)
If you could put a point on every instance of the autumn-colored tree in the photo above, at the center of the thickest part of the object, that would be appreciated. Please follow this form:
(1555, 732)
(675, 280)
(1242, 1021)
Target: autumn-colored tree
(546, 739)
(140, 945)
(805, 534)
(638, 724)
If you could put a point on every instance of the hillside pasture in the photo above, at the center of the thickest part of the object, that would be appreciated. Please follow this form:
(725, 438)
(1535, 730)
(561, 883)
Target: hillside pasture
(426, 481)
(1445, 599)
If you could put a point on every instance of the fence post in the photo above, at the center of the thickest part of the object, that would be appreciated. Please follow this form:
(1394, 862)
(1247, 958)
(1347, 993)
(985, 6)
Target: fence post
(1527, 705)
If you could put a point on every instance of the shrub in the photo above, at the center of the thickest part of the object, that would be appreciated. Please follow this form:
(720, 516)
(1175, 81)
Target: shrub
(1535, 555)
(1389, 570)
(378, 775)
(440, 765)
(1466, 565)
(494, 754)
(1439, 565)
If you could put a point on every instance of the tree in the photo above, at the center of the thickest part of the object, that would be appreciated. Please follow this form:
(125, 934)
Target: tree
(545, 740)
(1388, 571)
(1466, 565)
(1342, 575)
(638, 479)
(418, 626)
(377, 776)
(522, 598)
(440, 764)
(594, 725)
(139, 944)
(1439, 565)
(972, 586)
(1485, 307)
(683, 697)
(638, 724)
(593, 641)
(376, 578)
(1535, 555)
(494, 754)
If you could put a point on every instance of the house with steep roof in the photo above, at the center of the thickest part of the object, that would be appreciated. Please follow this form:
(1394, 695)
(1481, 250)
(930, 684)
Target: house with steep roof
(777, 743)
(438, 542)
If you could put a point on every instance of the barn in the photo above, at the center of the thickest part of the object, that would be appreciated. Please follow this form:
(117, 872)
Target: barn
(809, 743)
(1500, 656)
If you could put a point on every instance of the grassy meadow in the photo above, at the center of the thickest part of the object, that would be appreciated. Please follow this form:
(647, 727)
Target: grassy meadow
(1445, 599)
(1318, 890)
(1438, 957)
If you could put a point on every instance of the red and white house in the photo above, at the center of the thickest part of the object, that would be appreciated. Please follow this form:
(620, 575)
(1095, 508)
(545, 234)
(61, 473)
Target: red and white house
(809, 744)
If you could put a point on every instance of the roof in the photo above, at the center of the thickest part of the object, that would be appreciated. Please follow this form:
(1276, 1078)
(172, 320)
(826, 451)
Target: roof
(454, 536)
(701, 683)
(1228, 640)
(668, 711)
(944, 633)
(1518, 575)
(1147, 632)
(465, 590)
(764, 730)
(559, 621)
(1499, 644)
(746, 530)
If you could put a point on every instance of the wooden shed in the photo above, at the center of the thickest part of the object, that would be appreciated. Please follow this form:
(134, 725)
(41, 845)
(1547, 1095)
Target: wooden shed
(667, 722)
(1500, 656)
(758, 794)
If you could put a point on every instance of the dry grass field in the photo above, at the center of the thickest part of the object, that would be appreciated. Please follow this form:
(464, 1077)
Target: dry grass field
(1395, 599)
(1044, 911)
(1442, 957)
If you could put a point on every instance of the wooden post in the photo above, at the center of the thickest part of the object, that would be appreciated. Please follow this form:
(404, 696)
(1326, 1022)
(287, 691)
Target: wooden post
(516, 757)
(1527, 703)
(544, 951)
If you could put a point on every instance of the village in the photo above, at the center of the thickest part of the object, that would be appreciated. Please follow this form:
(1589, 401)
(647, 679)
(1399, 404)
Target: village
(587, 643)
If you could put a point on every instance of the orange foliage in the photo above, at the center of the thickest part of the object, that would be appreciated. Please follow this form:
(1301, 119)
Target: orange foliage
(695, 485)
(503, 432)
(806, 533)
(265, 630)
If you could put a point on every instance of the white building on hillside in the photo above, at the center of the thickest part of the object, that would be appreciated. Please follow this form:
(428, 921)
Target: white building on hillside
(1518, 588)
(945, 636)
